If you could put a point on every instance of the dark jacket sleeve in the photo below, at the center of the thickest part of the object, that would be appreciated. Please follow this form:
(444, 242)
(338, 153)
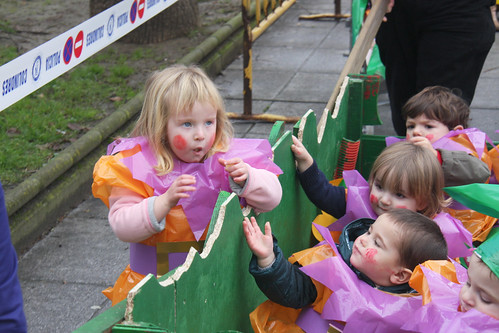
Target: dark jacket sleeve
(325, 196)
(461, 168)
(283, 282)
(12, 317)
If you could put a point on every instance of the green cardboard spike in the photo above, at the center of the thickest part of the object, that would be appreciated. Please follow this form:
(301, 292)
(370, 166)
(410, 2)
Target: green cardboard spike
(489, 251)
(484, 198)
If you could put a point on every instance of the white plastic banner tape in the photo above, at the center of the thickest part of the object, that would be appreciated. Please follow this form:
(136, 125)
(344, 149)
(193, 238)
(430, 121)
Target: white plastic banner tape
(37, 67)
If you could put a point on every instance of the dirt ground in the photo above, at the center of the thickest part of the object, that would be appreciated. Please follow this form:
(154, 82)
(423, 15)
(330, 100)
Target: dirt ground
(27, 24)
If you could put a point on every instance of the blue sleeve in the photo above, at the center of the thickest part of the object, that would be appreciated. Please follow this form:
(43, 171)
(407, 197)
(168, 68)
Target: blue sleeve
(12, 317)
(329, 198)
(283, 282)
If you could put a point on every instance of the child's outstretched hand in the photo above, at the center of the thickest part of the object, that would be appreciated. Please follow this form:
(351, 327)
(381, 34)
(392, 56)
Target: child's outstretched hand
(260, 244)
(303, 158)
(423, 142)
(237, 169)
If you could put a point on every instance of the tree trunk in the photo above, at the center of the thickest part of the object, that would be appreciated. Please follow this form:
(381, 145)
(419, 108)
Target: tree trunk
(175, 21)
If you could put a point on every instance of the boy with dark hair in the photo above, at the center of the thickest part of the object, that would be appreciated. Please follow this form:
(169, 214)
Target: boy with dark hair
(432, 114)
(381, 252)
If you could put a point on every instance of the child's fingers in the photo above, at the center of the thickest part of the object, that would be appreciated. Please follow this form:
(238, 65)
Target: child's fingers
(185, 180)
(180, 195)
(254, 226)
(230, 164)
(254, 223)
(295, 150)
(182, 189)
(297, 142)
(246, 225)
(240, 179)
(237, 172)
(233, 161)
(251, 225)
(268, 229)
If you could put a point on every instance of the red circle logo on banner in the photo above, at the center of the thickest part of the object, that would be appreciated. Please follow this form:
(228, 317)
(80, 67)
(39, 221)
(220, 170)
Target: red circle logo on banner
(78, 44)
(142, 6)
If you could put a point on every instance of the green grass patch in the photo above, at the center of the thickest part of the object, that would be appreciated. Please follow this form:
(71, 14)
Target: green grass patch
(5, 26)
(36, 128)
(7, 53)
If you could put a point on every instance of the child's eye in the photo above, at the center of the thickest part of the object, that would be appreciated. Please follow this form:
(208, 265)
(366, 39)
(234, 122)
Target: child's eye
(209, 123)
(378, 186)
(410, 126)
(485, 299)
(428, 127)
(400, 196)
(376, 242)
(187, 124)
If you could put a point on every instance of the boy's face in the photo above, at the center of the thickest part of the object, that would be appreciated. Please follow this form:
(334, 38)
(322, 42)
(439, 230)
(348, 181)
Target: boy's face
(375, 253)
(422, 126)
(481, 291)
(191, 134)
(383, 199)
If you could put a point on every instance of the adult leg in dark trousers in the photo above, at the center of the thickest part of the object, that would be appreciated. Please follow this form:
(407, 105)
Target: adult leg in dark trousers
(426, 43)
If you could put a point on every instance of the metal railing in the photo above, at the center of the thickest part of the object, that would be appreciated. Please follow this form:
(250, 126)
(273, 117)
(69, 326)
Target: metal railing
(266, 13)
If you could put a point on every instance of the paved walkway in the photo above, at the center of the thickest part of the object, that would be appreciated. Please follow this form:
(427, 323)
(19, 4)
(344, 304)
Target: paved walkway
(295, 66)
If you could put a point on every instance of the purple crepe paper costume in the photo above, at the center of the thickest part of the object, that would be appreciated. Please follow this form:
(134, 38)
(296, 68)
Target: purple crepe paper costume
(442, 314)
(211, 177)
(196, 212)
(359, 206)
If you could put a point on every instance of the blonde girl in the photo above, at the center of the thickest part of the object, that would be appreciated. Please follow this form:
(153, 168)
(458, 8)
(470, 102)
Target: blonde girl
(162, 183)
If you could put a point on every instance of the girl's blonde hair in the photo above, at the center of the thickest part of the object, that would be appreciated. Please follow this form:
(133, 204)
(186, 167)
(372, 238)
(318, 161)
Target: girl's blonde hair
(171, 92)
(405, 164)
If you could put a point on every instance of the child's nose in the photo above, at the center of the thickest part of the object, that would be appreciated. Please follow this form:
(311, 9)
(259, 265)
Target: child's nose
(199, 134)
(362, 240)
(467, 297)
(385, 199)
(418, 131)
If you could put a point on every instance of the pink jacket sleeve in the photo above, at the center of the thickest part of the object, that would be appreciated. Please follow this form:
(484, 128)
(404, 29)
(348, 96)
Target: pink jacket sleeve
(130, 215)
(262, 190)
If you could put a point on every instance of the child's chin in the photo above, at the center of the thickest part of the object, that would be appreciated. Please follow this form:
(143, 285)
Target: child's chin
(353, 262)
(379, 211)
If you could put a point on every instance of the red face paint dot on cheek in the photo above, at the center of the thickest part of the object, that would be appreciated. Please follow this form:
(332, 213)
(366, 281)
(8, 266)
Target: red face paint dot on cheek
(402, 207)
(373, 199)
(430, 137)
(179, 142)
(370, 253)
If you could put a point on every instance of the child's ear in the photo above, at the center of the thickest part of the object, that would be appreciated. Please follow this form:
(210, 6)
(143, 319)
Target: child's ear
(401, 277)
(458, 128)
